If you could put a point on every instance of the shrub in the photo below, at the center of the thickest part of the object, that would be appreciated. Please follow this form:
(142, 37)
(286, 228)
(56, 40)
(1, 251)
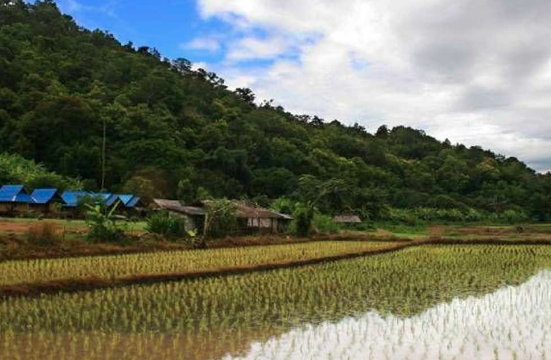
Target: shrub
(103, 226)
(302, 223)
(163, 224)
(284, 205)
(324, 224)
(44, 233)
(513, 216)
(403, 216)
(221, 219)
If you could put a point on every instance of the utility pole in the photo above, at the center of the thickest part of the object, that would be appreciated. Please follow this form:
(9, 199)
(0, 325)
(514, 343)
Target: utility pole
(103, 157)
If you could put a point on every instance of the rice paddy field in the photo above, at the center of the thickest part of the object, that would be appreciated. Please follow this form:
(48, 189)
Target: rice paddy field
(427, 302)
(175, 262)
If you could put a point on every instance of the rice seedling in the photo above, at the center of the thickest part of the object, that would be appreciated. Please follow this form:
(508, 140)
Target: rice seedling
(511, 323)
(223, 316)
(121, 266)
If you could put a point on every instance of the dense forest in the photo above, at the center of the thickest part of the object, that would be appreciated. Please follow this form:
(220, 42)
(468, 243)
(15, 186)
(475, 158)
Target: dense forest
(174, 132)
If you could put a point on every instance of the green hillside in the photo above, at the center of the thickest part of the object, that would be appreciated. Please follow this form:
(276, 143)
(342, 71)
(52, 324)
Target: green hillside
(173, 132)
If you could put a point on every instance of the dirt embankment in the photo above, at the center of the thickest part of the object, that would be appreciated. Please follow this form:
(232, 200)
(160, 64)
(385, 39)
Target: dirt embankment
(14, 247)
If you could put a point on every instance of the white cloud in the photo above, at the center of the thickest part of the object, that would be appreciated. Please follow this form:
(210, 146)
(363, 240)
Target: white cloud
(251, 48)
(202, 43)
(510, 323)
(199, 65)
(475, 72)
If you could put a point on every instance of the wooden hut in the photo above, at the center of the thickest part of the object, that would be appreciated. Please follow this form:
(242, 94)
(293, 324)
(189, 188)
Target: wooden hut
(195, 216)
(347, 219)
(14, 199)
(45, 201)
(252, 218)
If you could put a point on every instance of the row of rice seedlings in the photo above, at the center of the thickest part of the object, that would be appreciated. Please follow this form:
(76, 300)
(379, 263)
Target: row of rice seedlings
(120, 266)
(401, 283)
(512, 323)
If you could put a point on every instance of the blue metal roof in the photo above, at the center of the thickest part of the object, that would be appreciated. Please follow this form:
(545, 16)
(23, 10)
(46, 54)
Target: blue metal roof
(71, 197)
(112, 199)
(124, 198)
(43, 196)
(133, 202)
(103, 196)
(15, 194)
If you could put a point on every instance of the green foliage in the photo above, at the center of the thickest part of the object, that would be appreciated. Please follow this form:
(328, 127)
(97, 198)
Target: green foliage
(102, 226)
(14, 169)
(163, 224)
(221, 219)
(324, 224)
(187, 193)
(284, 205)
(302, 222)
(417, 216)
(174, 132)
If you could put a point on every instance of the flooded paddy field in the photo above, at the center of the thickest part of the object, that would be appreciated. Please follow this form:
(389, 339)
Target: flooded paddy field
(437, 301)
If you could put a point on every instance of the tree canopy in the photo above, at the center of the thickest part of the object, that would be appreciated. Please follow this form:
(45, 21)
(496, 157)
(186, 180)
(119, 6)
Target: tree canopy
(174, 132)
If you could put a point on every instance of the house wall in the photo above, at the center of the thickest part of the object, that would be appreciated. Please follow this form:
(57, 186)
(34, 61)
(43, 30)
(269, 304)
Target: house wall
(20, 207)
(192, 222)
(5, 207)
(267, 224)
(264, 223)
(41, 208)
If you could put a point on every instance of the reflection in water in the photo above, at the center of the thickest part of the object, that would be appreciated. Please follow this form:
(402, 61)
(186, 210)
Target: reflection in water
(216, 317)
(512, 323)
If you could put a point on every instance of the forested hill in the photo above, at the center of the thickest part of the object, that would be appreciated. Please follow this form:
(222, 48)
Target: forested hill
(171, 131)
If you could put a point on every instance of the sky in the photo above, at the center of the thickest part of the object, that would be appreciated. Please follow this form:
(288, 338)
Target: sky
(477, 72)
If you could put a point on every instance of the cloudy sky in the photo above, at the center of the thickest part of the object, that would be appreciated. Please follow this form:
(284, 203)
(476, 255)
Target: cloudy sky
(475, 71)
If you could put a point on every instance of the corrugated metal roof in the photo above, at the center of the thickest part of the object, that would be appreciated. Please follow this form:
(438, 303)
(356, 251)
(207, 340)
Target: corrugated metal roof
(135, 200)
(43, 196)
(347, 219)
(111, 200)
(176, 206)
(247, 211)
(125, 198)
(14, 194)
(103, 196)
(70, 198)
(9, 192)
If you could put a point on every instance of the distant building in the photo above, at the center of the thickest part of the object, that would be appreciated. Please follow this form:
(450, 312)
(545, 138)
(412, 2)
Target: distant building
(72, 198)
(46, 201)
(251, 218)
(347, 219)
(14, 199)
(195, 216)
(127, 201)
(260, 219)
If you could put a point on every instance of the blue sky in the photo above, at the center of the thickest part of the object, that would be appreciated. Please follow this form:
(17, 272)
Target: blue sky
(167, 25)
(476, 72)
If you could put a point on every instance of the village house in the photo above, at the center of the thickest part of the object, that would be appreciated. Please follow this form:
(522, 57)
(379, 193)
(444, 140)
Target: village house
(45, 201)
(251, 218)
(347, 219)
(14, 199)
(127, 202)
(195, 216)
